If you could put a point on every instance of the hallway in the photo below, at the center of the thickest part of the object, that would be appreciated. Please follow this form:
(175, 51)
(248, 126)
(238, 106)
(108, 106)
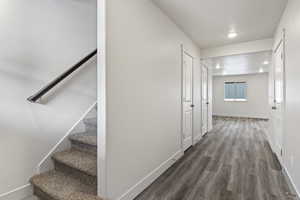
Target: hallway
(233, 162)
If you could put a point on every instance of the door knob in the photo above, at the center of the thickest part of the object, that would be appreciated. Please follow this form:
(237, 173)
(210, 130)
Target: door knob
(207, 103)
(192, 106)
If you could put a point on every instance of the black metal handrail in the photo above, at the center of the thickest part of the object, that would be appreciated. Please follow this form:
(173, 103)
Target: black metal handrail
(34, 98)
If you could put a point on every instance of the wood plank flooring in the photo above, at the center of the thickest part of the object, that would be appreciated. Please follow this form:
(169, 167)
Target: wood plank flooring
(232, 162)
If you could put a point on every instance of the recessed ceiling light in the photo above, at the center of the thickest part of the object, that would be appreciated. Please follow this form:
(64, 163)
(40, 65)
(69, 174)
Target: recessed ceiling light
(232, 34)
(218, 66)
(261, 70)
(266, 62)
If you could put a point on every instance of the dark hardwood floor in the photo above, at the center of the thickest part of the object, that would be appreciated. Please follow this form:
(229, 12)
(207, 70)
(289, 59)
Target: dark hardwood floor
(233, 162)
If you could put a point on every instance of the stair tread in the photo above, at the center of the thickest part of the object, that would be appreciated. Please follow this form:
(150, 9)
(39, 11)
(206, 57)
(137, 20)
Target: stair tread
(89, 138)
(60, 186)
(79, 160)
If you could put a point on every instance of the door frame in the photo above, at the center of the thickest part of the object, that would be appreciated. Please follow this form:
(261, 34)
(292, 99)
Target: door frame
(182, 52)
(102, 187)
(207, 90)
(282, 43)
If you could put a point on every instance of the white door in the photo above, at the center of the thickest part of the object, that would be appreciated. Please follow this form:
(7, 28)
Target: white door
(204, 100)
(187, 101)
(279, 98)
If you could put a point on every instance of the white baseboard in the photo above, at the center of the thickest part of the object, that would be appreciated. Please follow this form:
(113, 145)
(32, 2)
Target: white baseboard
(269, 138)
(197, 138)
(240, 116)
(18, 193)
(147, 180)
(187, 142)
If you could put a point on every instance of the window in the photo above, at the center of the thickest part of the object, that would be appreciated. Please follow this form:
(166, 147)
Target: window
(235, 91)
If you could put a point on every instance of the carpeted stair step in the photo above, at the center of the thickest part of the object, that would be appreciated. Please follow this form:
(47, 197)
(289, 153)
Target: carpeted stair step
(82, 196)
(90, 124)
(56, 185)
(78, 164)
(86, 142)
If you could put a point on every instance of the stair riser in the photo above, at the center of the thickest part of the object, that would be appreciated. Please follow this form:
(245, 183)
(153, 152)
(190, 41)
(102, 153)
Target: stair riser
(84, 147)
(90, 127)
(40, 194)
(82, 176)
(90, 124)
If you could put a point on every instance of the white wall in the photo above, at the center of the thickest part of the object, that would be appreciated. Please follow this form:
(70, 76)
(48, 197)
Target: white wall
(257, 97)
(291, 22)
(39, 40)
(143, 94)
(239, 48)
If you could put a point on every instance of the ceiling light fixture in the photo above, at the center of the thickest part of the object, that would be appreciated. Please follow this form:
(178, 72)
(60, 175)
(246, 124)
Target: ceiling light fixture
(218, 66)
(232, 35)
(266, 62)
(261, 70)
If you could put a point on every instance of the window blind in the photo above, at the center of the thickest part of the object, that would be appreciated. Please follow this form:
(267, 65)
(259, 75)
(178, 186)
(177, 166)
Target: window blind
(235, 90)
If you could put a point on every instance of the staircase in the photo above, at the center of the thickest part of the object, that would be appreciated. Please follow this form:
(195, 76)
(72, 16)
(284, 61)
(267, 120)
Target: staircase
(75, 174)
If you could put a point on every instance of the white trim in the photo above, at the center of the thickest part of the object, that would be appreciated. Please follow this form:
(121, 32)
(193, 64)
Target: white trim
(198, 137)
(291, 181)
(270, 140)
(278, 45)
(240, 117)
(18, 193)
(187, 142)
(152, 176)
(101, 98)
(181, 99)
(64, 138)
(282, 164)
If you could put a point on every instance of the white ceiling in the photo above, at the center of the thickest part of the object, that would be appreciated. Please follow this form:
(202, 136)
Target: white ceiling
(240, 64)
(208, 22)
